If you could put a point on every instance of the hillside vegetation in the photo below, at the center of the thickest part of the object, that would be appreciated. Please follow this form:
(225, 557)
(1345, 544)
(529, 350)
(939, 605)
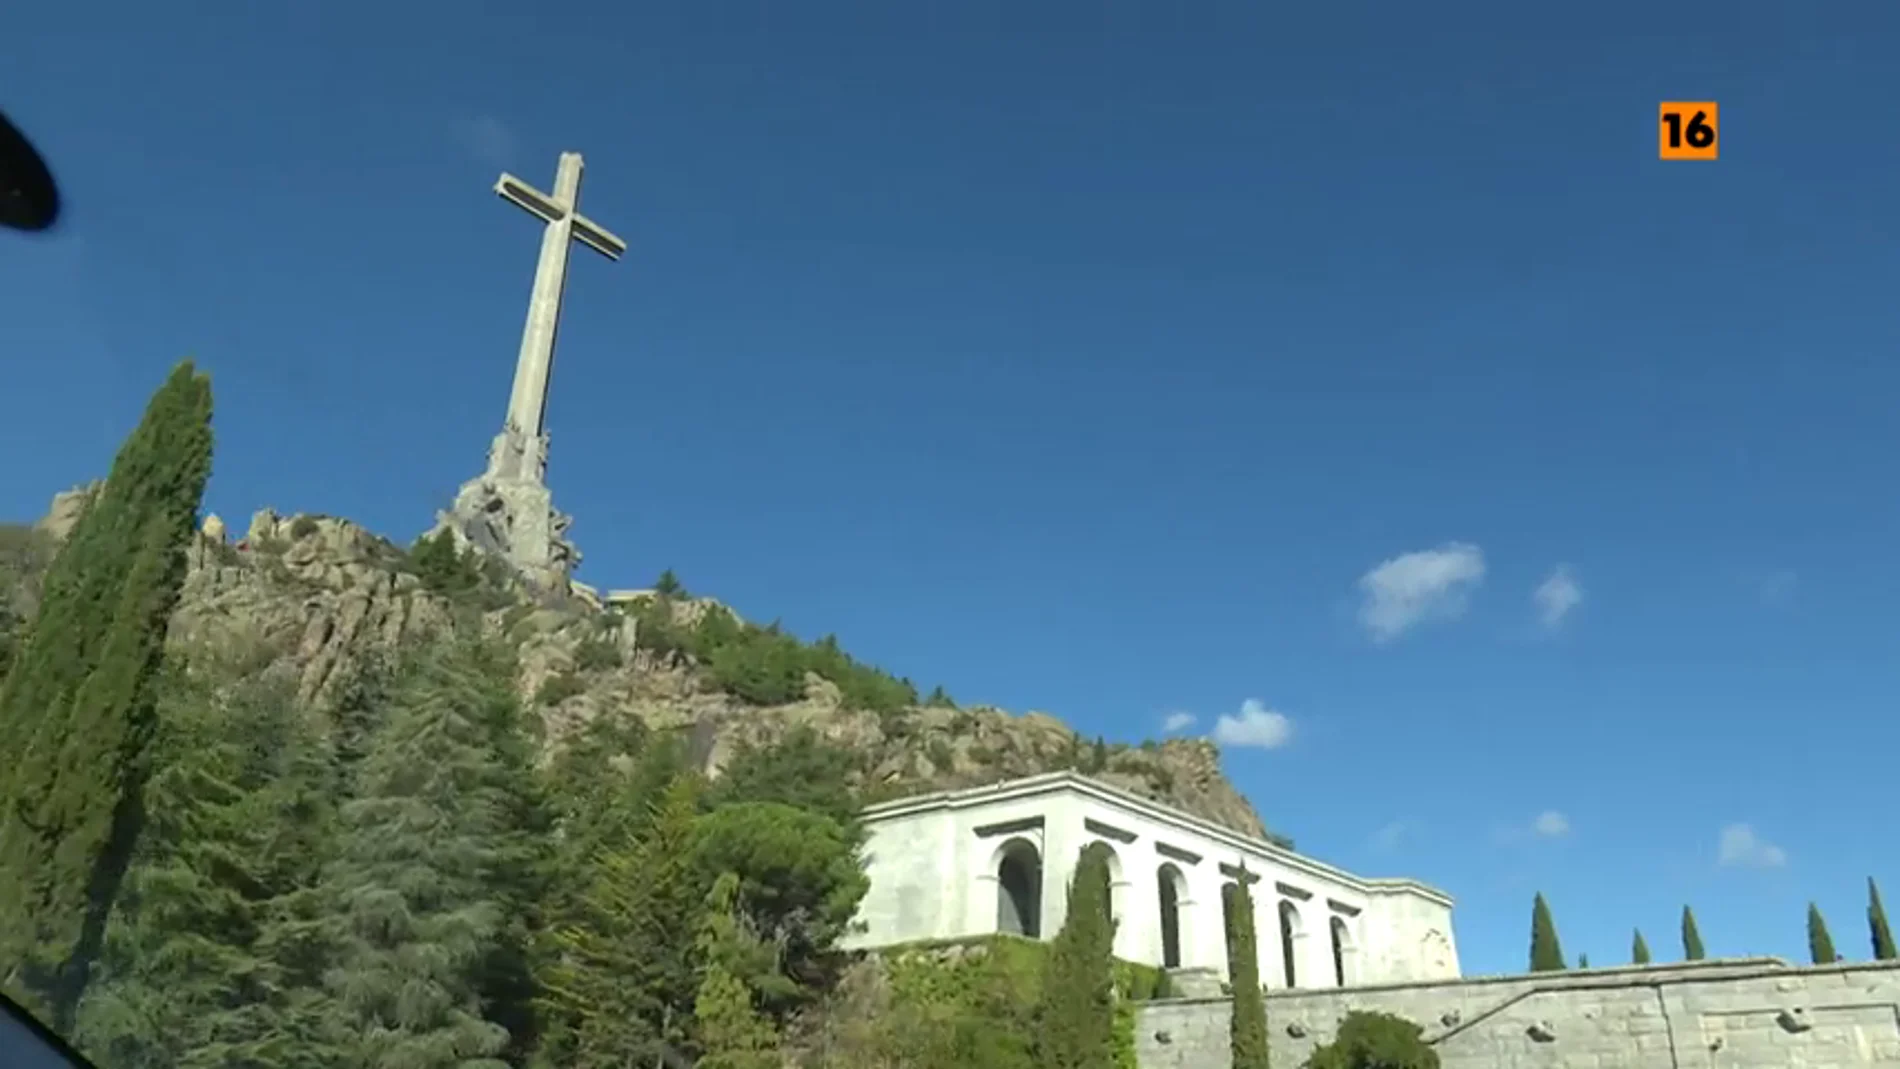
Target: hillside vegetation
(302, 797)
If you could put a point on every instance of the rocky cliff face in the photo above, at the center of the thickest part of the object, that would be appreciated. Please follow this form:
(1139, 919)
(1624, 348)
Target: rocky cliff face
(314, 594)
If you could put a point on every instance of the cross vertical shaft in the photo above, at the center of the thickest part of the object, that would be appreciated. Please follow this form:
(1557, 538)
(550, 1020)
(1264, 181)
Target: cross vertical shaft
(534, 367)
(508, 511)
(521, 451)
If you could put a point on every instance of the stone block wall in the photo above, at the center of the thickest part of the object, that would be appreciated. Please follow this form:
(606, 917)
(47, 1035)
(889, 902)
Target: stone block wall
(1756, 1013)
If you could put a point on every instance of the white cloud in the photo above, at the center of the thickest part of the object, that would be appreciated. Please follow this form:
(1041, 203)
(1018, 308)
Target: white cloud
(1740, 847)
(1556, 596)
(1254, 726)
(486, 138)
(1390, 836)
(1551, 824)
(1410, 589)
(1177, 721)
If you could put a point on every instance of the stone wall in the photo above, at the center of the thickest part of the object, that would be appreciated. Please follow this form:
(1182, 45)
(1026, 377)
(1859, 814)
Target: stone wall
(1753, 1013)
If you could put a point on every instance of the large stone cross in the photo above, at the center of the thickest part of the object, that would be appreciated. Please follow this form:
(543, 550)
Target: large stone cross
(521, 450)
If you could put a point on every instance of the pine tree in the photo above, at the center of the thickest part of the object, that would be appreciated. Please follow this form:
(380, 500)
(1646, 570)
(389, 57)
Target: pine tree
(1820, 944)
(1546, 954)
(1077, 1009)
(1691, 939)
(622, 975)
(1877, 930)
(1639, 950)
(76, 706)
(424, 894)
(732, 1032)
(237, 815)
(1247, 1026)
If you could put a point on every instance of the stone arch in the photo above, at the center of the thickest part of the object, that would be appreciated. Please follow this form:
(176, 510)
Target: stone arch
(1018, 868)
(1292, 931)
(1345, 953)
(1171, 888)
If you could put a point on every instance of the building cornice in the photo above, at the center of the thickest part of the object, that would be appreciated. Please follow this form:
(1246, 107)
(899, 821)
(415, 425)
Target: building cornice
(1074, 782)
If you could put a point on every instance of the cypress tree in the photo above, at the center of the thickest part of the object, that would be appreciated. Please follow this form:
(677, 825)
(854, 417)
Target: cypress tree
(1583, 961)
(1546, 954)
(1691, 939)
(1077, 1010)
(1820, 944)
(1639, 949)
(77, 705)
(1247, 1025)
(1877, 929)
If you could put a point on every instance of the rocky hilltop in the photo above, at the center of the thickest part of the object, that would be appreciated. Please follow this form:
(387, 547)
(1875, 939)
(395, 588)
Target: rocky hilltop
(312, 596)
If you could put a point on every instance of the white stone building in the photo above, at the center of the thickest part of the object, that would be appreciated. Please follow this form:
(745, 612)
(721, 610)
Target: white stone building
(999, 859)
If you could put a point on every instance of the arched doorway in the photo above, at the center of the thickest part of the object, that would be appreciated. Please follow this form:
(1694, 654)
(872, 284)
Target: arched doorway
(1342, 952)
(1171, 886)
(1290, 933)
(1019, 889)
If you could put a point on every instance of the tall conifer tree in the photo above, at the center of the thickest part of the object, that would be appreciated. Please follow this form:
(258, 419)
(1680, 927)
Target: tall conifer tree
(77, 705)
(425, 894)
(1247, 1025)
(1547, 954)
(236, 814)
(1639, 949)
(1820, 943)
(1691, 938)
(1877, 930)
(1077, 1010)
(733, 1034)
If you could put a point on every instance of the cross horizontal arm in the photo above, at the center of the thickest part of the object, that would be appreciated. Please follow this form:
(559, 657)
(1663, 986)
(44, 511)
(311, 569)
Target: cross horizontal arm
(536, 202)
(597, 239)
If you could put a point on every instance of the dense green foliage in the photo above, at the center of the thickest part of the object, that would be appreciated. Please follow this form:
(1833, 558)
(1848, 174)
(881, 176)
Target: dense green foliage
(1878, 933)
(77, 704)
(1547, 954)
(965, 1004)
(1247, 1024)
(766, 665)
(1076, 1012)
(235, 814)
(1639, 949)
(1375, 1041)
(24, 553)
(1820, 943)
(1691, 937)
(468, 580)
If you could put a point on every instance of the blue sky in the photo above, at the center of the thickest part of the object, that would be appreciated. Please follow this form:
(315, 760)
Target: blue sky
(1113, 360)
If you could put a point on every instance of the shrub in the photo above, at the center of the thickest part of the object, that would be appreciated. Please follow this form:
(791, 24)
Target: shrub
(596, 654)
(558, 688)
(1375, 1041)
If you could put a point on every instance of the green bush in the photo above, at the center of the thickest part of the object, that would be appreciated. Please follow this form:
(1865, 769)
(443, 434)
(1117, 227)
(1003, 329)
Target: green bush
(976, 1006)
(767, 665)
(1375, 1041)
(596, 654)
(303, 527)
(558, 688)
